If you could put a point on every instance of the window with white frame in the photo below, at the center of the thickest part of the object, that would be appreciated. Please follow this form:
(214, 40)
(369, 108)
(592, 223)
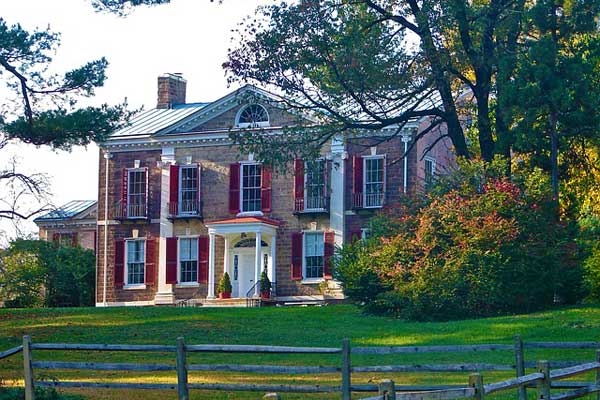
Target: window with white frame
(188, 189)
(250, 187)
(136, 193)
(429, 171)
(374, 181)
(253, 116)
(314, 254)
(188, 260)
(136, 261)
(314, 185)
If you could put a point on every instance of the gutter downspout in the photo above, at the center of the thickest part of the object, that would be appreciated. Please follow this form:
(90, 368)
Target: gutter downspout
(107, 156)
(405, 139)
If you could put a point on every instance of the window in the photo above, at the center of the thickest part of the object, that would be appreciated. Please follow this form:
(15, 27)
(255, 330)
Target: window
(314, 185)
(136, 260)
(314, 254)
(252, 116)
(136, 193)
(251, 187)
(374, 181)
(188, 260)
(188, 190)
(429, 171)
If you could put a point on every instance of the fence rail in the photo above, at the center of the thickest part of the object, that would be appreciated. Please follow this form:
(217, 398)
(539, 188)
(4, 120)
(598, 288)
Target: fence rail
(543, 379)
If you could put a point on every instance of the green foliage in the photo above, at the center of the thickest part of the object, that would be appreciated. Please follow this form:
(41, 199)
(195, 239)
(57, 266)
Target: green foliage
(480, 246)
(37, 273)
(224, 284)
(265, 283)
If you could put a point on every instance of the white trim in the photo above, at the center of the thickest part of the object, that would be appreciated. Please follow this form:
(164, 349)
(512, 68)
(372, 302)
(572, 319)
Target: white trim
(134, 286)
(312, 281)
(126, 303)
(191, 283)
(304, 278)
(261, 124)
(364, 160)
(243, 213)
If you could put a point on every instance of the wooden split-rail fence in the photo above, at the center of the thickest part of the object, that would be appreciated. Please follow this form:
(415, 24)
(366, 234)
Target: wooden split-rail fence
(544, 379)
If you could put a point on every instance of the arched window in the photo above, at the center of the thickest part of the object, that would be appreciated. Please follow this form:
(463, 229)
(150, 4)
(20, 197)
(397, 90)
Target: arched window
(253, 116)
(249, 242)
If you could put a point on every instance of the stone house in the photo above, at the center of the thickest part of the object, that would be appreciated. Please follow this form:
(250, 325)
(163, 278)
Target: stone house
(179, 205)
(73, 224)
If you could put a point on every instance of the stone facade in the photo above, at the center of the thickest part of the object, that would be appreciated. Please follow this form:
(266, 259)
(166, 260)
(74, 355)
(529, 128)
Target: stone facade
(206, 143)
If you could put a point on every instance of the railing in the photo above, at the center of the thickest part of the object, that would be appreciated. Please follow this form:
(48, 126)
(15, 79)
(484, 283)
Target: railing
(318, 204)
(130, 211)
(543, 379)
(185, 209)
(368, 200)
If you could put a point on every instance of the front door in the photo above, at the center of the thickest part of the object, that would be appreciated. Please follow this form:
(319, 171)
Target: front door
(243, 273)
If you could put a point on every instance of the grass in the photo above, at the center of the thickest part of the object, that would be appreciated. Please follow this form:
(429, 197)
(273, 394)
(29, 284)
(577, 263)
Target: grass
(324, 326)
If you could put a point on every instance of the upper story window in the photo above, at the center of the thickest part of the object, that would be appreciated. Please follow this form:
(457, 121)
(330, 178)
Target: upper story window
(188, 260)
(314, 185)
(188, 189)
(137, 192)
(253, 116)
(136, 262)
(251, 187)
(374, 181)
(429, 171)
(314, 254)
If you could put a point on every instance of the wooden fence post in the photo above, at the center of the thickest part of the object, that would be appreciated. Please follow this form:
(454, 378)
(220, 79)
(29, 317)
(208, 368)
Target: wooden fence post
(346, 392)
(28, 369)
(598, 373)
(520, 366)
(387, 389)
(476, 382)
(182, 373)
(543, 386)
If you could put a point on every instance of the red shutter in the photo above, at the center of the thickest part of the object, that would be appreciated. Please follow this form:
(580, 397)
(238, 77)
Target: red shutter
(328, 253)
(74, 239)
(199, 187)
(119, 263)
(172, 260)
(147, 176)
(123, 210)
(203, 259)
(174, 184)
(326, 171)
(265, 188)
(297, 238)
(151, 261)
(299, 185)
(234, 188)
(358, 174)
(56, 237)
(355, 234)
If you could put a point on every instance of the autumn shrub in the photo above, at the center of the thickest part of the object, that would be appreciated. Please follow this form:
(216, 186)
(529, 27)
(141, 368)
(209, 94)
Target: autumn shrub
(478, 245)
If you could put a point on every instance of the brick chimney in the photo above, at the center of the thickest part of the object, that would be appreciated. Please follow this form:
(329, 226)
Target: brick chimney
(171, 90)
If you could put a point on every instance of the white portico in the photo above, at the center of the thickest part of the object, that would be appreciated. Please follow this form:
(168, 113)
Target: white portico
(250, 248)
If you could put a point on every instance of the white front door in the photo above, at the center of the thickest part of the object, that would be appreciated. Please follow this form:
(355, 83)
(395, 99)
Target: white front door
(243, 273)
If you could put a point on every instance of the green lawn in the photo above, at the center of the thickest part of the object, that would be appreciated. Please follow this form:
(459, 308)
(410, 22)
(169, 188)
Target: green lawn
(294, 326)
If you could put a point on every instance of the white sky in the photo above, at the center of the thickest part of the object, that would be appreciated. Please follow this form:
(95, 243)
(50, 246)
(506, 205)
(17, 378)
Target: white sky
(187, 36)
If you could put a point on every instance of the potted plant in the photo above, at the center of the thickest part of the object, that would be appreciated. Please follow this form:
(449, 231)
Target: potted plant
(224, 287)
(265, 286)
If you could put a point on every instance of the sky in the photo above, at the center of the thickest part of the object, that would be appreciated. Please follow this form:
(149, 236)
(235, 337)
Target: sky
(186, 36)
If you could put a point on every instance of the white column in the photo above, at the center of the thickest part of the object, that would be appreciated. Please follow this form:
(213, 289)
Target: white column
(272, 273)
(211, 266)
(164, 294)
(226, 257)
(405, 140)
(257, 264)
(337, 204)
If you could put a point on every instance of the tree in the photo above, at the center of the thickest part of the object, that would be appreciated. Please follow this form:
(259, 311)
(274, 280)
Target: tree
(43, 109)
(369, 64)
